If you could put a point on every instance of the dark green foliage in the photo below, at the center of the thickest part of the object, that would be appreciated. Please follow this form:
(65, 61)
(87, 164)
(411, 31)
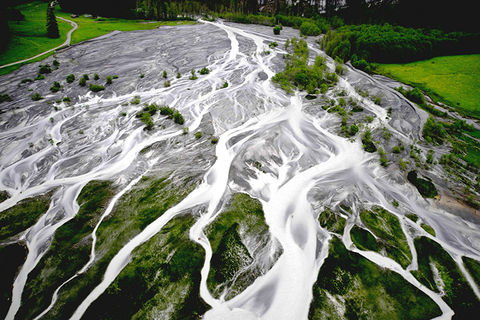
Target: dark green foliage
(225, 85)
(204, 71)
(109, 80)
(55, 87)
(363, 239)
(392, 44)
(309, 29)
(412, 217)
(56, 64)
(4, 195)
(96, 87)
(82, 82)
(193, 75)
(39, 77)
(26, 81)
(390, 235)
(36, 97)
(12, 257)
(146, 118)
(22, 215)
(96, 76)
(273, 44)
(198, 135)
(5, 98)
(276, 30)
(167, 83)
(366, 290)
(67, 99)
(178, 117)
(433, 131)
(368, 144)
(428, 228)
(473, 267)
(332, 221)
(459, 296)
(164, 74)
(425, 187)
(86, 77)
(44, 69)
(214, 140)
(135, 100)
(52, 26)
(70, 78)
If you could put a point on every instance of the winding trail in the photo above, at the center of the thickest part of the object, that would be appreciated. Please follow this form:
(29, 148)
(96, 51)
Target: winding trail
(65, 44)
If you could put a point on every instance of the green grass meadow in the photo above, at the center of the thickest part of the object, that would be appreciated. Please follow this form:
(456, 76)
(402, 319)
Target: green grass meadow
(454, 80)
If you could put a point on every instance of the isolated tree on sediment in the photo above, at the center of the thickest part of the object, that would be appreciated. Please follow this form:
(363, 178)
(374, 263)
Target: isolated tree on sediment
(52, 26)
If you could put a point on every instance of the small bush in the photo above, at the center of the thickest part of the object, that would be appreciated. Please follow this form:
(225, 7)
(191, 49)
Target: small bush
(225, 85)
(5, 98)
(40, 77)
(167, 83)
(55, 87)
(273, 44)
(198, 135)
(56, 64)
(204, 71)
(434, 132)
(96, 87)
(44, 69)
(178, 118)
(109, 80)
(164, 74)
(179, 75)
(82, 82)
(26, 81)
(185, 130)
(96, 77)
(135, 100)
(36, 97)
(368, 144)
(193, 75)
(396, 149)
(70, 78)
(67, 99)
(214, 140)
(142, 76)
(86, 77)
(276, 30)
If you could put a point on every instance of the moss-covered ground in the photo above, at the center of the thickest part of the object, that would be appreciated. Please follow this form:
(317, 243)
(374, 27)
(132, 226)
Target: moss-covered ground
(147, 201)
(331, 221)
(351, 287)
(390, 237)
(161, 281)
(22, 215)
(458, 293)
(69, 251)
(231, 264)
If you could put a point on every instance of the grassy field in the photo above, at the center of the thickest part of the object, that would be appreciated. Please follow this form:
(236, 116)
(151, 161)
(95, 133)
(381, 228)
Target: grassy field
(29, 36)
(454, 80)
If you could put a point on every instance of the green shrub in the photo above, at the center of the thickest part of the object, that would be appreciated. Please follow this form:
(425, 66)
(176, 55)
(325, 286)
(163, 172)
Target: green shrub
(276, 30)
(214, 140)
(368, 144)
(96, 87)
(204, 71)
(82, 82)
(44, 69)
(164, 74)
(225, 85)
(273, 44)
(309, 29)
(193, 75)
(36, 97)
(85, 76)
(70, 78)
(146, 118)
(5, 98)
(135, 100)
(198, 135)
(55, 63)
(55, 87)
(396, 149)
(26, 81)
(179, 75)
(67, 99)
(109, 80)
(167, 83)
(178, 118)
(96, 76)
(40, 77)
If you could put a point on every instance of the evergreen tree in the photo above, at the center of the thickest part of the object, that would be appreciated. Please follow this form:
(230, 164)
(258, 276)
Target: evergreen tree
(52, 26)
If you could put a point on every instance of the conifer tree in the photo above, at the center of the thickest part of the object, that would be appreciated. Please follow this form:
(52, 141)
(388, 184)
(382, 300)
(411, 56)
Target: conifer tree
(52, 26)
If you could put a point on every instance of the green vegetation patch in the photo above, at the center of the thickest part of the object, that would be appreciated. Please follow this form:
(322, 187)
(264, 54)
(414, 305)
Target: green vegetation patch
(299, 74)
(4, 195)
(147, 201)
(365, 291)
(458, 294)
(231, 263)
(12, 257)
(451, 79)
(425, 187)
(386, 227)
(161, 281)
(364, 240)
(22, 215)
(69, 251)
(331, 221)
(428, 228)
(473, 267)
